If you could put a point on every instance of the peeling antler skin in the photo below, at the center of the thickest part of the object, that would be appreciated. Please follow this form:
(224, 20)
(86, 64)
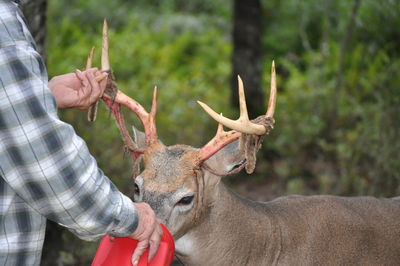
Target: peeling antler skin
(147, 119)
(221, 139)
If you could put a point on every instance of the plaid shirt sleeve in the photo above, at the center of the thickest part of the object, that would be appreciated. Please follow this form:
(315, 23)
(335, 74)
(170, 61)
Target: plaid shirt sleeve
(46, 169)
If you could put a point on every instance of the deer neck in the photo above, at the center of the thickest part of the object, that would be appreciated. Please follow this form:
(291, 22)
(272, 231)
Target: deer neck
(233, 231)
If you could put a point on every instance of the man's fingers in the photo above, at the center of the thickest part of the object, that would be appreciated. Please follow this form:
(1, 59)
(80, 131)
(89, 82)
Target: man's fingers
(139, 250)
(85, 92)
(91, 70)
(80, 75)
(102, 82)
(96, 92)
(148, 232)
(84, 89)
(90, 90)
(155, 240)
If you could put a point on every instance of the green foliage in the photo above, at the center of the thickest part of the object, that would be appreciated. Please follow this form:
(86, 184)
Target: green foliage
(355, 153)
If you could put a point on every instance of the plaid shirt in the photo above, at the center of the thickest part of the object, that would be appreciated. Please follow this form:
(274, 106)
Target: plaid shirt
(46, 169)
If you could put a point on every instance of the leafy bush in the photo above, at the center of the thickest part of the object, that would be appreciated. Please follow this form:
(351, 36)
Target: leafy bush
(355, 153)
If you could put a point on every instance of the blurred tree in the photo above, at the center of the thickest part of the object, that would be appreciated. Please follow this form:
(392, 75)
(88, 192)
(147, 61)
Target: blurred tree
(247, 54)
(35, 14)
(343, 49)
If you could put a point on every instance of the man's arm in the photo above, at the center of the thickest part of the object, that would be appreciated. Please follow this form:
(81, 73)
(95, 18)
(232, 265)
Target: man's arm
(46, 163)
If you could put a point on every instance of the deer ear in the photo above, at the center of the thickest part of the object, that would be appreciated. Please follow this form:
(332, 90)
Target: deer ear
(225, 160)
(139, 138)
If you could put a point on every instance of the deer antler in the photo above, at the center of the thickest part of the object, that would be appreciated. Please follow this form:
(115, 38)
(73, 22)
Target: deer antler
(114, 98)
(243, 124)
(239, 126)
(113, 95)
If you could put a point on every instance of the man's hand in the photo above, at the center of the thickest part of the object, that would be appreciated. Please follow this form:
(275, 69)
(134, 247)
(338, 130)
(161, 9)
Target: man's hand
(148, 233)
(77, 90)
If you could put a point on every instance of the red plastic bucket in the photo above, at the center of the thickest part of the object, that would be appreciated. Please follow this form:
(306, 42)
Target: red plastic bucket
(119, 252)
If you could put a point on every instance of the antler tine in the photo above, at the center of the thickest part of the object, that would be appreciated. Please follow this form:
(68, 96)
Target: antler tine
(154, 103)
(272, 95)
(152, 117)
(90, 58)
(92, 111)
(148, 120)
(242, 124)
(105, 63)
(89, 65)
(242, 101)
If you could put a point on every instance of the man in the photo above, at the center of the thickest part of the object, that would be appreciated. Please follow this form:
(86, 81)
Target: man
(46, 170)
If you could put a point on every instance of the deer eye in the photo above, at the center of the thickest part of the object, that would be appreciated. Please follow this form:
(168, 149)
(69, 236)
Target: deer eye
(185, 200)
(137, 190)
(236, 166)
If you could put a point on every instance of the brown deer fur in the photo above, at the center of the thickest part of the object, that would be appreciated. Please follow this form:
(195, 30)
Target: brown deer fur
(293, 230)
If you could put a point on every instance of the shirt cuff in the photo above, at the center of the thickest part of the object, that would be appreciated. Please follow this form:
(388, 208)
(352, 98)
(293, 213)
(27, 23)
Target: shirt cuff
(128, 219)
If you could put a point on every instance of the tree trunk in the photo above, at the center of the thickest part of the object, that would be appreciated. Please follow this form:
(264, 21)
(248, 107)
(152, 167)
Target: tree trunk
(342, 56)
(35, 14)
(246, 58)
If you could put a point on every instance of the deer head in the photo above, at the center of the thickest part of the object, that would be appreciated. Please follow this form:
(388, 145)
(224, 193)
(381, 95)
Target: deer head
(179, 181)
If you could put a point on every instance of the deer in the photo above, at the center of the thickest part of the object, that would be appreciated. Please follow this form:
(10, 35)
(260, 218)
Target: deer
(212, 225)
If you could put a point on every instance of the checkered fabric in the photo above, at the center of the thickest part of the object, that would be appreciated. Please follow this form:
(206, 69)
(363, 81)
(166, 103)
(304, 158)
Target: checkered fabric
(46, 170)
